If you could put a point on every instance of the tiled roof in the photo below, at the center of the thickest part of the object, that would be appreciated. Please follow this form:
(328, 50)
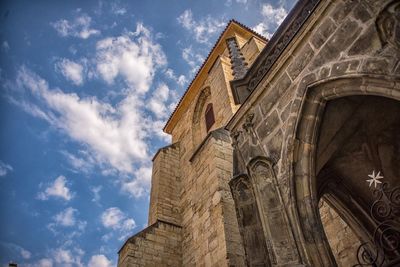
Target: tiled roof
(208, 56)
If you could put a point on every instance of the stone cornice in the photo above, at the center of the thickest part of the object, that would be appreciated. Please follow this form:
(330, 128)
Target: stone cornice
(146, 230)
(218, 134)
(201, 75)
(242, 88)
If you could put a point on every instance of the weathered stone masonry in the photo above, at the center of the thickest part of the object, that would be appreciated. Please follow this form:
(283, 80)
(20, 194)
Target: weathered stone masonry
(165, 183)
(341, 50)
(190, 190)
(297, 123)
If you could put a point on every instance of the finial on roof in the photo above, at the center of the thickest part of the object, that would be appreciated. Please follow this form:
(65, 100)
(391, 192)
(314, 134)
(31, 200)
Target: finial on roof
(239, 65)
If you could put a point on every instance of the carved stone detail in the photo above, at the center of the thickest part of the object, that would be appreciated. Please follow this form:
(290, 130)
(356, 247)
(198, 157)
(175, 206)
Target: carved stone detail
(235, 138)
(273, 214)
(250, 226)
(239, 165)
(281, 44)
(239, 65)
(388, 25)
(248, 124)
(205, 93)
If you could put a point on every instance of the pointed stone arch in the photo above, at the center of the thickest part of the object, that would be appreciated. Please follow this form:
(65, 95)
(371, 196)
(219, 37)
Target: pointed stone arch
(309, 230)
(250, 227)
(274, 219)
(204, 95)
(198, 124)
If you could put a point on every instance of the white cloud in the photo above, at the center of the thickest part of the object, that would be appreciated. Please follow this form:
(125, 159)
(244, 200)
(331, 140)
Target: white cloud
(81, 225)
(186, 19)
(99, 261)
(202, 29)
(4, 168)
(137, 187)
(116, 136)
(33, 109)
(58, 189)
(157, 103)
(180, 80)
(117, 10)
(5, 46)
(113, 218)
(71, 70)
(79, 27)
(107, 237)
(272, 18)
(83, 162)
(229, 2)
(96, 193)
(66, 217)
(192, 58)
(25, 254)
(45, 262)
(61, 257)
(65, 257)
(128, 224)
(113, 137)
(133, 56)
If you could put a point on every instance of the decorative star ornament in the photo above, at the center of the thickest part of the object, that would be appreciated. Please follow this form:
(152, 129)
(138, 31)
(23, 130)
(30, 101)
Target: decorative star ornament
(374, 178)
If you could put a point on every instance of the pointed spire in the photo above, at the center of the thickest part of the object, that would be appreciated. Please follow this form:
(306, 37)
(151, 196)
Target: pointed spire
(239, 65)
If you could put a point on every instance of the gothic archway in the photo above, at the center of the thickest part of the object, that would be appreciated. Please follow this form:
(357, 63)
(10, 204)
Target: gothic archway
(198, 125)
(304, 181)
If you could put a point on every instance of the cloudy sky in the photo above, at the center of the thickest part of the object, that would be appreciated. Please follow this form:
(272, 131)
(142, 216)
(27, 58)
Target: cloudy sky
(86, 88)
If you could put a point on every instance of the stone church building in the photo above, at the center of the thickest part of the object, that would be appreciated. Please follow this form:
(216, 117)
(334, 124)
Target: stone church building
(285, 152)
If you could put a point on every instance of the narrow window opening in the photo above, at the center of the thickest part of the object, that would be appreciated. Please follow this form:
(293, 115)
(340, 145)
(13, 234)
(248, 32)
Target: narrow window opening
(209, 116)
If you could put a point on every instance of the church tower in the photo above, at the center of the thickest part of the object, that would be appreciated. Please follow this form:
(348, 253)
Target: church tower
(192, 218)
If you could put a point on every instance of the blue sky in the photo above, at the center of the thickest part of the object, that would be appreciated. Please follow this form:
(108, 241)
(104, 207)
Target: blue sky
(86, 88)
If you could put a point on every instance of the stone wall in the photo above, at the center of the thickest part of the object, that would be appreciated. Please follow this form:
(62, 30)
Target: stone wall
(251, 50)
(209, 225)
(165, 186)
(160, 244)
(339, 51)
(190, 197)
(341, 238)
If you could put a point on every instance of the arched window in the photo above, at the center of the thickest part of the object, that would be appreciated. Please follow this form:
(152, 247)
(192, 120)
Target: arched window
(209, 116)
(199, 128)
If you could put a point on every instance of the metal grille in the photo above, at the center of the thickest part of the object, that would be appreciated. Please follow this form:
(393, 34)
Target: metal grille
(384, 249)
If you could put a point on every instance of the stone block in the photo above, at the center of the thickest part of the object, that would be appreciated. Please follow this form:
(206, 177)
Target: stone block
(267, 126)
(375, 66)
(361, 12)
(300, 61)
(343, 37)
(342, 9)
(367, 43)
(323, 32)
(276, 90)
(343, 67)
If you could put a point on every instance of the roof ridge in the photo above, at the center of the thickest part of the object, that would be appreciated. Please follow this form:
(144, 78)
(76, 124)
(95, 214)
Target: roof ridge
(206, 59)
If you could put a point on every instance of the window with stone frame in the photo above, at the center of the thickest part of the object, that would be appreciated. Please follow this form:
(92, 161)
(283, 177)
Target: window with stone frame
(209, 116)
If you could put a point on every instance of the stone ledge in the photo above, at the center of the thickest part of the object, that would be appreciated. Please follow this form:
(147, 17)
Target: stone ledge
(174, 145)
(148, 229)
(218, 134)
